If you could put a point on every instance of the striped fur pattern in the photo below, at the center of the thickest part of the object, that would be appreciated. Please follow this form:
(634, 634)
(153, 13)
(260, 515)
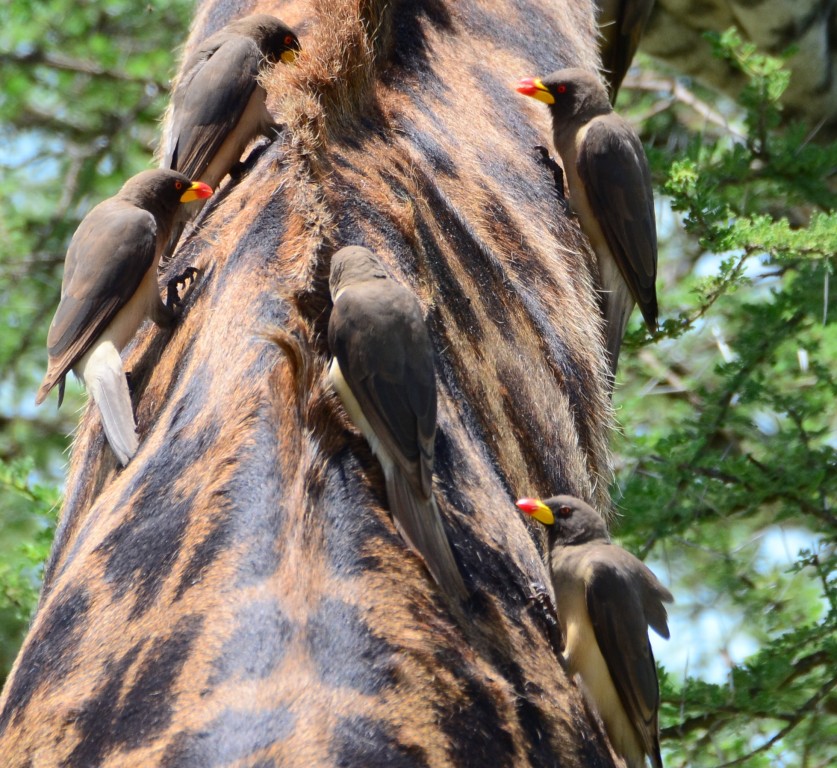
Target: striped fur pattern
(237, 595)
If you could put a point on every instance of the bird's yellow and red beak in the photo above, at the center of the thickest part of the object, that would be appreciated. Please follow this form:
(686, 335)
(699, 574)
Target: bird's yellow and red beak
(532, 86)
(196, 191)
(289, 56)
(537, 509)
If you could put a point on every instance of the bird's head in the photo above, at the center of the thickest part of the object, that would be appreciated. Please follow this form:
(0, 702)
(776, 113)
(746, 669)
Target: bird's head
(160, 191)
(276, 40)
(354, 264)
(573, 95)
(571, 520)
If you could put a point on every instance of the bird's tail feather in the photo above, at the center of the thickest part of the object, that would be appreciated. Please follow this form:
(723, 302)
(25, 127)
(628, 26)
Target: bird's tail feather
(613, 344)
(44, 390)
(656, 757)
(108, 386)
(617, 306)
(419, 523)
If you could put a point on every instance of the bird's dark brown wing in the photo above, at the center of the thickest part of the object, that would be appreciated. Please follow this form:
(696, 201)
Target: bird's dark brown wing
(208, 104)
(614, 170)
(379, 339)
(381, 343)
(110, 253)
(615, 604)
(621, 24)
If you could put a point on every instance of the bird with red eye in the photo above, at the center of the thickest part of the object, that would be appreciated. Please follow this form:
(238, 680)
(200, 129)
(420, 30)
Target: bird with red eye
(610, 192)
(218, 106)
(606, 599)
(109, 287)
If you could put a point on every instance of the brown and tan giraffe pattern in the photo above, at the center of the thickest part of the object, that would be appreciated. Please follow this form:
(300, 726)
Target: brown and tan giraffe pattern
(237, 595)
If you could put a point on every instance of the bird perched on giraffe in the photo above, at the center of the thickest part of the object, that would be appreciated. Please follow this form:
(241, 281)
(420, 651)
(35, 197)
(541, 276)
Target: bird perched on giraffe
(218, 106)
(383, 372)
(606, 599)
(610, 192)
(109, 288)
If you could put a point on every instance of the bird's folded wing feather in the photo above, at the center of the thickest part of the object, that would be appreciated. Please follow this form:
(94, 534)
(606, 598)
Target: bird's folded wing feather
(613, 168)
(106, 262)
(653, 596)
(209, 104)
(393, 378)
(616, 612)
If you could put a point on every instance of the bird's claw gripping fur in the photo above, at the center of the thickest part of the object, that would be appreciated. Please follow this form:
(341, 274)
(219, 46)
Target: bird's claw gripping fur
(179, 288)
(557, 175)
(546, 614)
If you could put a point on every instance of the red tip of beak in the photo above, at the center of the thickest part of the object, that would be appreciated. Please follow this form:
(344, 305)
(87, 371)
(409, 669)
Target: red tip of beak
(202, 190)
(529, 506)
(527, 87)
(537, 509)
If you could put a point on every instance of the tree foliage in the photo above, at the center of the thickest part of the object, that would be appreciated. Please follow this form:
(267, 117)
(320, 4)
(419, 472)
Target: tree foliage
(728, 414)
(730, 427)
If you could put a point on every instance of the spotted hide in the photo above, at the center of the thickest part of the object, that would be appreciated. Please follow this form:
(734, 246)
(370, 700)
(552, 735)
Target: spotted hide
(238, 595)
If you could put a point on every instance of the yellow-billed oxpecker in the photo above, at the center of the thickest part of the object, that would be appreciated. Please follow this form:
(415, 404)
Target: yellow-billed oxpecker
(610, 191)
(217, 105)
(109, 287)
(606, 599)
(621, 24)
(383, 372)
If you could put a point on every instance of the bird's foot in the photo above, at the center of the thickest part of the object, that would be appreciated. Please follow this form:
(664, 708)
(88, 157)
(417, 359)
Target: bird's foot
(546, 615)
(240, 168)
(179, 288)
(557, 175)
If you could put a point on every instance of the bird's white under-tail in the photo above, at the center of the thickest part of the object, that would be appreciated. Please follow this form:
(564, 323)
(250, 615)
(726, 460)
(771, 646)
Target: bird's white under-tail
(101, 371)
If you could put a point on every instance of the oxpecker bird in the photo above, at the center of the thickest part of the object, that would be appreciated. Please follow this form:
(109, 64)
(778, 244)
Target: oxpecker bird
(217, 105)
(384, 374)
(610, 191)
(109, 287)
(621, 24)
(606, 599)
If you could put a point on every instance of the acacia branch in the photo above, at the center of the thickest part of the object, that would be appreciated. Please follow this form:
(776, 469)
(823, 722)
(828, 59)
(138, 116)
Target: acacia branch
(678, 93)
(719, 717)
(764, 350)
(795, 720)
(64, 63)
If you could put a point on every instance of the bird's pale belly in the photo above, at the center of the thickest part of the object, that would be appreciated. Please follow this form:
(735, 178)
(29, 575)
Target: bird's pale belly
(254, 121)
(350, 403)
(124, 326)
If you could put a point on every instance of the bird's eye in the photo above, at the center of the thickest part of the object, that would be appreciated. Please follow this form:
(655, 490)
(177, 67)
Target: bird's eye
(565, 511)
(178, 185)
(561, 88)
(288, 40)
